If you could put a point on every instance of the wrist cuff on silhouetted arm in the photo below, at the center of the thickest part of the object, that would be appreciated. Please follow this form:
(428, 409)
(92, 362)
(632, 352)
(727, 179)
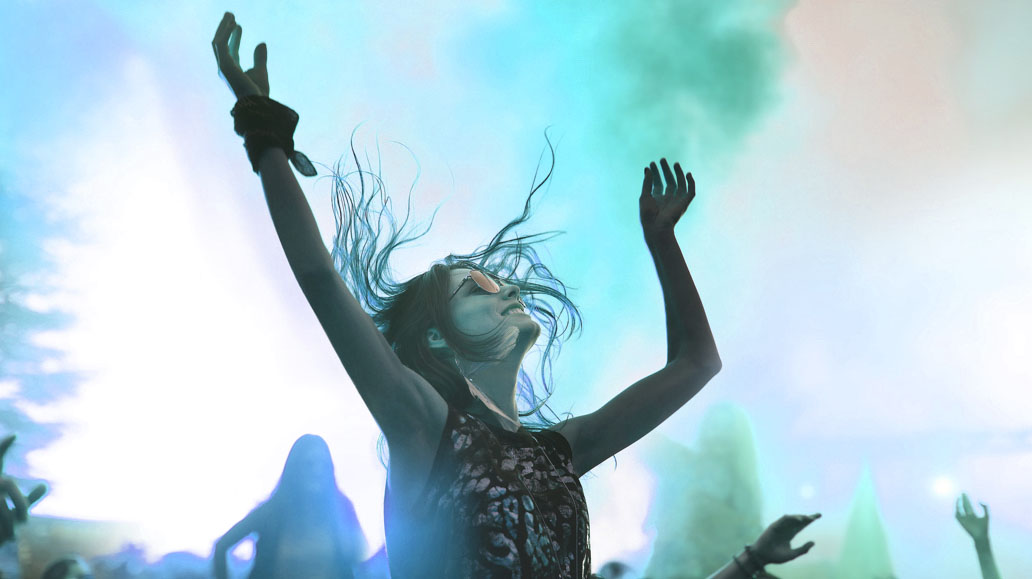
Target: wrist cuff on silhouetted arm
(265, 124)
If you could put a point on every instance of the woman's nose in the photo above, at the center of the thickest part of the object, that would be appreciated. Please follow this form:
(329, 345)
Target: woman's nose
(511, 291)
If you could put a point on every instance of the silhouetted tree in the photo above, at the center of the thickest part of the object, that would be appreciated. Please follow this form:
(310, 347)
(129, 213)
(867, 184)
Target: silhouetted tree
(865, 549)
(29, 371)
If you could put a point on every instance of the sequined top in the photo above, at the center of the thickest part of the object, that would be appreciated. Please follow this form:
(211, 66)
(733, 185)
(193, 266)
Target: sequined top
(496, 504)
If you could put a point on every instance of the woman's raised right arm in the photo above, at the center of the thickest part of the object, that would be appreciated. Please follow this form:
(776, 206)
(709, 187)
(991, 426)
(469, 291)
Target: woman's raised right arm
(400, 400)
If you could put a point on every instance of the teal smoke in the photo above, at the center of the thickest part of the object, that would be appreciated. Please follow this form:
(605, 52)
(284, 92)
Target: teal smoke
(865, 549)
(708, 500)
(690, 78)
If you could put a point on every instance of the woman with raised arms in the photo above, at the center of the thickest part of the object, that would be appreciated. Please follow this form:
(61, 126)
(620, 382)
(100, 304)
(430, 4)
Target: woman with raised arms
(437, 359)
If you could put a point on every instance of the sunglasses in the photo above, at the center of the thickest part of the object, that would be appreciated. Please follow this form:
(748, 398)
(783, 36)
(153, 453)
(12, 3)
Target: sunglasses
(481, 279)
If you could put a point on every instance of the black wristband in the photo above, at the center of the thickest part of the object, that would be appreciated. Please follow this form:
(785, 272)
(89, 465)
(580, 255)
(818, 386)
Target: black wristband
(266, 124)
(742, 567)
(755, 558)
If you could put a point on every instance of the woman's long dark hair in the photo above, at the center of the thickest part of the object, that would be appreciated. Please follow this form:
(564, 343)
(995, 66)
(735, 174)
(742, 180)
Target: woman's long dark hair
(369, 232)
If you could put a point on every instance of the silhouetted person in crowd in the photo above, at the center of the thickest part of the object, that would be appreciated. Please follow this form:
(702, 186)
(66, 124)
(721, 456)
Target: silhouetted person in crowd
(438, 359)
(71, 567)
(307, 528)
(14, 506)
(615, 570)
(978, 528)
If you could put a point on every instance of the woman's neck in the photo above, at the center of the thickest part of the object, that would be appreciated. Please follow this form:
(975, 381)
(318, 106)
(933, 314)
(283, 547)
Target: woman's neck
(494, 385)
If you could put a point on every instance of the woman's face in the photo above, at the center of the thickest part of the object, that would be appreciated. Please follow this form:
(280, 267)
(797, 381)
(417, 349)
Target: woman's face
(475, 311)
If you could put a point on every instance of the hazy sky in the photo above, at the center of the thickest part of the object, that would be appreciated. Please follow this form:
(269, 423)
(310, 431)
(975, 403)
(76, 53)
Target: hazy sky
(860, 240)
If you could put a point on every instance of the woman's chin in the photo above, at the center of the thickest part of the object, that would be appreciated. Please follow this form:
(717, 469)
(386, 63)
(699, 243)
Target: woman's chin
(529, 331)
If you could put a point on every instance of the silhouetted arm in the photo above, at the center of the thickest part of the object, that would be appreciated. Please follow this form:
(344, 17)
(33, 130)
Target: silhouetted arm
(238, 532)
(773, 546)
(692, 358)
(407, 409)
(19, 511)
(977, 527)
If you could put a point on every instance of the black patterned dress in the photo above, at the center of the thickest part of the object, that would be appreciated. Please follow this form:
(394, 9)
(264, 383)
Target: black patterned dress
(497, 504)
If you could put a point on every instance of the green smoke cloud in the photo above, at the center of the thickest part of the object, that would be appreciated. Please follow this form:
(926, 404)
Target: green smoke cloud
(708, 500)
(688, 77)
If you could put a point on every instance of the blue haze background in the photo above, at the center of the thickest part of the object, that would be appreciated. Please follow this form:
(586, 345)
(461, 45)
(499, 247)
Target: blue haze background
(860, 239)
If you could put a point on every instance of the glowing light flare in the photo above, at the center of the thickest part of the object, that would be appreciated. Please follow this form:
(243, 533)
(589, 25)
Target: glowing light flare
(943, 486)
(807, 491)
(244, 550)
(184, 420)
(618, 516)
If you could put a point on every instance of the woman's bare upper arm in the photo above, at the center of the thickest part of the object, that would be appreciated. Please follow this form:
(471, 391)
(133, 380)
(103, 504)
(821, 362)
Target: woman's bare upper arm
(405, 406)
(408, 410)
(632, 414)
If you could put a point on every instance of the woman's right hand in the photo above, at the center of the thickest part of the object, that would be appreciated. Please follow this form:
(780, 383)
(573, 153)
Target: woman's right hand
(226, 45)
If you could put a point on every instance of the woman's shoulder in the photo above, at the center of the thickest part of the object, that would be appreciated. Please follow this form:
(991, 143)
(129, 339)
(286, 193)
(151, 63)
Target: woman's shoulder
(553, 440)
(263, 511)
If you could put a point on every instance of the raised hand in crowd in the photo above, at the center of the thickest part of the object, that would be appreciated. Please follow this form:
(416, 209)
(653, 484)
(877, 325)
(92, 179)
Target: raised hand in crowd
(774, 545)
(14, 505)
(978, 528)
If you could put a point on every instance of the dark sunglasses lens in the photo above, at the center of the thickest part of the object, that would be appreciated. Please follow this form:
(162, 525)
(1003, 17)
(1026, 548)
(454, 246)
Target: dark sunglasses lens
(487, 284)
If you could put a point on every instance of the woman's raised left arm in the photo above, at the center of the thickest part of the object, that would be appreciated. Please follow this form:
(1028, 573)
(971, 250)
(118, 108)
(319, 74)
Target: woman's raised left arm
(692, 358)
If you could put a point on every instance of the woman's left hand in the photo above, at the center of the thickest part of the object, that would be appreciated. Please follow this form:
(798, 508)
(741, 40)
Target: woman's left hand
(660, 207)
(226, 45)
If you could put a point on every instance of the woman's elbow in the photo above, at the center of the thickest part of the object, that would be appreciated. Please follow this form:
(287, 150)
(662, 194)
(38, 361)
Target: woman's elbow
(713, 364)
(705, 363)
(694, 370)
(705, 370)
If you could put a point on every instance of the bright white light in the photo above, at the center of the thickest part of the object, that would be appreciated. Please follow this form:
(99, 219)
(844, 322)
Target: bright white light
(618, 522)
(807, 491)
(943, 486)
(244, 550)
(198, 372)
